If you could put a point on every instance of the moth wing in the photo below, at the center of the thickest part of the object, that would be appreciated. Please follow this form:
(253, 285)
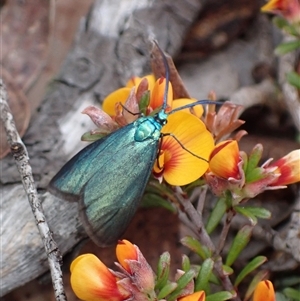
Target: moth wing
(110, 198)
(73, 176)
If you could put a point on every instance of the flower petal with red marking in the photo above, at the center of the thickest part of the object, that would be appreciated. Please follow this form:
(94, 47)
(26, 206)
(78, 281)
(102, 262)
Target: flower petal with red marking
(224, 159)
(180, 167)
(289, 168)
(91, 280)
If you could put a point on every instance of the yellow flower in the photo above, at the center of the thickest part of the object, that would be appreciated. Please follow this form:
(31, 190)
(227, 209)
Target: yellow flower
(288, 167)
(186, 143)
(126, 251)
(132, 260)
(197, 296)
(264, 291)
(135, 81)
(91, 280)
(180, 102)
(176, 164)
(122, 94)
(224, 160)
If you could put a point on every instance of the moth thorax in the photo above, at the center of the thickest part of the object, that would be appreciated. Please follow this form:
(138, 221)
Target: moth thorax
(147, 128)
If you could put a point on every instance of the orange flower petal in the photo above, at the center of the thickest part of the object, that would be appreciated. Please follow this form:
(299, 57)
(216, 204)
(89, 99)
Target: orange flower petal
(289, 168)
(224, 159)
(125, 250)
(271, 5)
(135, 81)
(264, 291)
(197, 296)
(196, 110)
(158, 92)
(289, 9)
(92, 281)
(180, 166)
(110, 100)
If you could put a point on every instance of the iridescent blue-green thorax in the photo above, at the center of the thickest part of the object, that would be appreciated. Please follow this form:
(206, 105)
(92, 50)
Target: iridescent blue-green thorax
(150, 127)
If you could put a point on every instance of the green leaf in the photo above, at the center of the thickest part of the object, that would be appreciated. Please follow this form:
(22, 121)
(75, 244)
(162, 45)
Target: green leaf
(216, 215)
(144, 102)
(194, 245)
(182, 282)
(88, 136)
(203, 277)
(163, 270)
(239, 243)
(292, 293)
(251, 266)
(186, 265)
(280, 22)
(254, 174)
(280, 297)
(286, 47)
(227, 270)
(259, 212)
(214, 279)
(243, 210)
(261, 275)
(286, 26)
(244, 157)
(294, 79)
(220, 296)
(254, 158)
(154, 200)
(166, 290)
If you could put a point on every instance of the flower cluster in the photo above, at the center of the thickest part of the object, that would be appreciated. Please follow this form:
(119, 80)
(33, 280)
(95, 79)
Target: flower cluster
(233, 170)
(193, 145)
(224, 167)
(175, 164)
(91, 280)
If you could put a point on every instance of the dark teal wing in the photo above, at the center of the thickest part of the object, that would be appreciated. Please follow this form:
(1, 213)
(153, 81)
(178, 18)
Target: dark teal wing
(108, 177)
(109, 202)
(74, 175)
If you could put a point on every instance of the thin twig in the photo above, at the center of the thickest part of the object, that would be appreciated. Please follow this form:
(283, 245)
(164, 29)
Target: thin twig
(196, 219)
(225, 230)
(202, 198)
(22, 161)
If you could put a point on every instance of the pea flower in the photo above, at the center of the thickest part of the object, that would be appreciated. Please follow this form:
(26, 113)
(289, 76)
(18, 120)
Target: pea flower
(175, 164)
(288, 169)
(234, 171)
(135, 266)
(91, 280)
(264, 291)
(289, 9)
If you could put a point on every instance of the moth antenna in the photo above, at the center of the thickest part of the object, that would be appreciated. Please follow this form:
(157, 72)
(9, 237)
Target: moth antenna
(167, 75)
